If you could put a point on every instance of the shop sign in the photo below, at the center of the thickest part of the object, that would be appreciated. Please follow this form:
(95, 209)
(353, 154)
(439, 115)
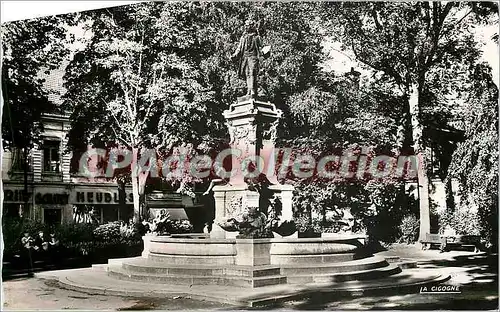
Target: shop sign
(51, 198)
(16, 196)
(101, 198)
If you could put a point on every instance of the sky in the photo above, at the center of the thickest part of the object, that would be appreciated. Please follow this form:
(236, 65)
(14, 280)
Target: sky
(17, 10)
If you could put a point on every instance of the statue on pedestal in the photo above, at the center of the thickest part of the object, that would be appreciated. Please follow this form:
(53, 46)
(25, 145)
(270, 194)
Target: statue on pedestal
(248, 53)
(254, 206)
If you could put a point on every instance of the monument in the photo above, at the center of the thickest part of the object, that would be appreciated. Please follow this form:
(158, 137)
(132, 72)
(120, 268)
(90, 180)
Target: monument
(252, 126)
(250, 244)
(252, 241)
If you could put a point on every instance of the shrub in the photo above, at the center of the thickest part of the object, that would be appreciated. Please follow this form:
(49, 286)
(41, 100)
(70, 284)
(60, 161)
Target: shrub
(76, 239)
(376, 207)
(306, 225)
(73, 233)
(409, 229)
(179, 227)
(109, 232)
(464, 221)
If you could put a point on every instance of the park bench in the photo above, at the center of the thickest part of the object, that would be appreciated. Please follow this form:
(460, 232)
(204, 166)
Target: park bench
(456, 241)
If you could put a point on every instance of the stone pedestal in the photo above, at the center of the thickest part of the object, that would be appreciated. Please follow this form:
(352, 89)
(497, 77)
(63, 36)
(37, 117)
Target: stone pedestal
(253, 252)
(231, 200)
(252, 126)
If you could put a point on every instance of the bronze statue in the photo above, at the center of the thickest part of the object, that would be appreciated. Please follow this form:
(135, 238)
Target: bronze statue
(248, 52)
(253, 224)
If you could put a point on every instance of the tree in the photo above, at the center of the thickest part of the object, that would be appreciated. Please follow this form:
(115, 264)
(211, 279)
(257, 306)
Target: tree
(475, 162)
(29, 47)
(159, 74)
(341, 114)
(122, 81)
(407, 41)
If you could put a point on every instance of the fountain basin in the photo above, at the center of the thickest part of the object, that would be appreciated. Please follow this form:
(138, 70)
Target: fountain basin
(252, 252)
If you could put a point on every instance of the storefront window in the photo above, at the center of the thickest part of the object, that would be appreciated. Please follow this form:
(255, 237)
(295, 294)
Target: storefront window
(51, 161)
(102, 213)
(86, 214)
(126, 213)
(52, 216)
(110, 213)
(96, 214)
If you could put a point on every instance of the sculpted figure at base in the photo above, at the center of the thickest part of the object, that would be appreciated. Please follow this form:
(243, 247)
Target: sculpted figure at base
(253, 224)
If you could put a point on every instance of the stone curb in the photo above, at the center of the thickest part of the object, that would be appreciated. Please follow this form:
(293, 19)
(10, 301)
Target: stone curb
(258, 300)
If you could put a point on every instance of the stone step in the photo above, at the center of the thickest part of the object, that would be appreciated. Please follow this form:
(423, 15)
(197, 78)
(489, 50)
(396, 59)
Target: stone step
(348, 266)
(97, 282)
(238, 281)
(392, 259)
(312, 259)
(141, 265)
(407, 264)
(99, 267)
(345, 276)
(329, 292)
(402, 263)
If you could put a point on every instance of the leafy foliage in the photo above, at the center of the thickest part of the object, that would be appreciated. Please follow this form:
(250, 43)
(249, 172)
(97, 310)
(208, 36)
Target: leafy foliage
(409, 229)
(159, 74)
(464, 221)
(421, 48)
(30, 48)
(475, 162)
(186, 78)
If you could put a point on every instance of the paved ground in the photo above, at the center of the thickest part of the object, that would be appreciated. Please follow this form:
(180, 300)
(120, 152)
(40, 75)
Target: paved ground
(476, 274)
(38, 294)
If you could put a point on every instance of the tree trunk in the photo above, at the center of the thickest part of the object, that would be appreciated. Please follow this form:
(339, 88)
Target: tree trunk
(135, 194)
(135, 187)
(25, 176)
(422, 178)
(138, 187)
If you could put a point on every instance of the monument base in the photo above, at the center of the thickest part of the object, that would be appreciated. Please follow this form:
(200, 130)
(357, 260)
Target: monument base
(250, 263)
(253, 252)
(232, 201)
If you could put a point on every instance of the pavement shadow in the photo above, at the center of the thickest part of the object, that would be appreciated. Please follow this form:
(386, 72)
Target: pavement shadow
(480, 291)
(481, 269)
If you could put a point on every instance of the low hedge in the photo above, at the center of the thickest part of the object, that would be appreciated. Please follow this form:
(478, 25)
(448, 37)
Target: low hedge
(89, 241)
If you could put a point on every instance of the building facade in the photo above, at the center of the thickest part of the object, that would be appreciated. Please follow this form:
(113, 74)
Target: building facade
(46, 189)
